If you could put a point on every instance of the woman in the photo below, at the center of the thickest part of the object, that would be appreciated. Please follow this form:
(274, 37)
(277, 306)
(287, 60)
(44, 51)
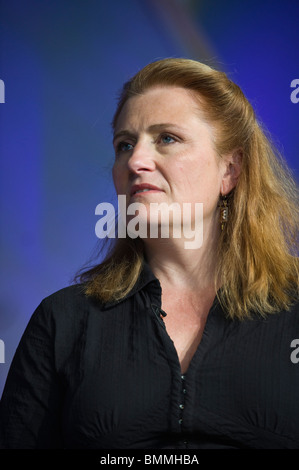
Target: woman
(161, 346)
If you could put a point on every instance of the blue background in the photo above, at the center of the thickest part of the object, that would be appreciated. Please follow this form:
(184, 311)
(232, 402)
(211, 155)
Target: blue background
(63, 63)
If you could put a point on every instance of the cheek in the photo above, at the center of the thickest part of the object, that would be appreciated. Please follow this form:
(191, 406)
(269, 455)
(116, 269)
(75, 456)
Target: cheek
(202, 181)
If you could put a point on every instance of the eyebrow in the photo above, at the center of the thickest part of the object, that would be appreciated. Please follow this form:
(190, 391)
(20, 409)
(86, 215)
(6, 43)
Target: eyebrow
(152, 128)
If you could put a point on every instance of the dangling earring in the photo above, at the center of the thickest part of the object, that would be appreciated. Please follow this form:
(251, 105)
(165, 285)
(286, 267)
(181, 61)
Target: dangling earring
(223, 205)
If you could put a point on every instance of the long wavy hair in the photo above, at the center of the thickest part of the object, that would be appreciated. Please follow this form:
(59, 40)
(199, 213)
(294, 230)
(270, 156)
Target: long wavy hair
(258, 248)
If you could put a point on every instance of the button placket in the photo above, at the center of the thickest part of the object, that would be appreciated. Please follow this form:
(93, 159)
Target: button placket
(182, 403)
(182, 406)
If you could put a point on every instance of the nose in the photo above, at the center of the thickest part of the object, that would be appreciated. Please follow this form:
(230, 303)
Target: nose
(142, 158)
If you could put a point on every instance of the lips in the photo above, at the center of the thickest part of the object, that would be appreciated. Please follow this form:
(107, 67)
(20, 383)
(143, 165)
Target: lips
(142, 188)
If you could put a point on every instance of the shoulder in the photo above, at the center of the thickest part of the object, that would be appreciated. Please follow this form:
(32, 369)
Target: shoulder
(291, 314)
(61, 323)
(65, 309)
(71, 297)
(284, 324)
(71, 301)
(290, 318)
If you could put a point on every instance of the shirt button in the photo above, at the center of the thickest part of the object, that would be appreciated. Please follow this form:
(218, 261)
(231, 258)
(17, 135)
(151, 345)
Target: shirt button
(182, 406)
(182, 377)
(180, 421)
(184, 390)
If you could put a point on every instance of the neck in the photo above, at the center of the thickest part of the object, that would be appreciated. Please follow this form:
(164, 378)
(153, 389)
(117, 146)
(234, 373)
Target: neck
(178, 267)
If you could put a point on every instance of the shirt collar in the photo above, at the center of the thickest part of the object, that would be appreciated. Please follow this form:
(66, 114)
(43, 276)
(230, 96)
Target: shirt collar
(145, 278)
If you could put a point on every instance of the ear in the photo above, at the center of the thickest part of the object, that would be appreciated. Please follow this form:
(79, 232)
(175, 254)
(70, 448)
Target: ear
(232, 171)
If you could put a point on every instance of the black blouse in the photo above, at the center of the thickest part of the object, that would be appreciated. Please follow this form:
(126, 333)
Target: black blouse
(87, 375)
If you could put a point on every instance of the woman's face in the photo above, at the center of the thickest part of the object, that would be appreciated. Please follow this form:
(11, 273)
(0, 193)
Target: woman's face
(164, 152)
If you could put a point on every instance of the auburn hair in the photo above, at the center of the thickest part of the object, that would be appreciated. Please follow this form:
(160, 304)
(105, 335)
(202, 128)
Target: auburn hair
(258, 248)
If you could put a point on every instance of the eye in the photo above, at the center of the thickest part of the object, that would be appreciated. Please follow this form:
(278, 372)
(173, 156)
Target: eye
(167, 139)
(124, 147)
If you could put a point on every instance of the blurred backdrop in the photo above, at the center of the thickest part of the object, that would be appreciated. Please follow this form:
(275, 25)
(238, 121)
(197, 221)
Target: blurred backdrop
(63, 63)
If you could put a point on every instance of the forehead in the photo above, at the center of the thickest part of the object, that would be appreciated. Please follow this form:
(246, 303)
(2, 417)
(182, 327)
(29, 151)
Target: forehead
(161, 104)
